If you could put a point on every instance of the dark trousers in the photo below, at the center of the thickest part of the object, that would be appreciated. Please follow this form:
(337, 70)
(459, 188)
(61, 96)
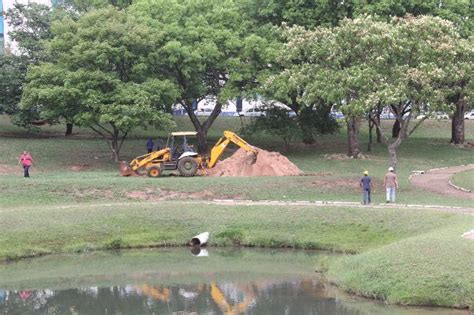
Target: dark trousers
(150, 150)
(25, 171)
(366, 196)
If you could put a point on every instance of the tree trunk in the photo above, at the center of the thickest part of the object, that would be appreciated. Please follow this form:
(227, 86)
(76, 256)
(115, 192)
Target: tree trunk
(114, 144)
(69, 129)
(392, 155)
(457, 123)
(396, 129)
(377, 130)
(115, 149)
(353, 137)
(202, 141)
(308, 137)
(202, 128)
(371, 127)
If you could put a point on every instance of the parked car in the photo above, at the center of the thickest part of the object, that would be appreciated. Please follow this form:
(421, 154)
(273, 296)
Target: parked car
(336, 115)
(441, 115)
(387, 115)
(228, 114)
(421, 116)
(469, 115)
(252, 112)
(203, 112)
(291, 113)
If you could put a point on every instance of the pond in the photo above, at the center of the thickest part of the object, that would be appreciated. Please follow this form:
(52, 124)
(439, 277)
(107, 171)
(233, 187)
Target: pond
(178, 281)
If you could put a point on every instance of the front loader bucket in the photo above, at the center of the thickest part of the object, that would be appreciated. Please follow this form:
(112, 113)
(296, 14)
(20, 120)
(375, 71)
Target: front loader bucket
(125, 169)
(251, 158)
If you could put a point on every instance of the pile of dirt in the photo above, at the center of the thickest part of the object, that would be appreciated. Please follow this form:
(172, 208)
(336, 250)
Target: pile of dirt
(266, 164)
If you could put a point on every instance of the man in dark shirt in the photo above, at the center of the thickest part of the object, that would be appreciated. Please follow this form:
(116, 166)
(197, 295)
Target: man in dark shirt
(366, 186)
(149, 145)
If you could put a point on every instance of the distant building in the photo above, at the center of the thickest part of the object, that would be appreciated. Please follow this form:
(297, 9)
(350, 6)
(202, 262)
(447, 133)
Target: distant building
(5, 5)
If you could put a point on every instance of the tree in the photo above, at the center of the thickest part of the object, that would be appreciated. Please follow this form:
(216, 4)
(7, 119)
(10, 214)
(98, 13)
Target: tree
(458, 12)
(205, 48)
(420, 49)
(99, 77)
(363, 63)
(276, 122)
(307, 13)
(12, 75)
(456, 82)
(313, 13)
(312, 118)
(31, 26)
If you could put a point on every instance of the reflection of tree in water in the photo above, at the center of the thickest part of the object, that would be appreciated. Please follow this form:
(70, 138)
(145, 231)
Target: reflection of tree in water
(259, 297)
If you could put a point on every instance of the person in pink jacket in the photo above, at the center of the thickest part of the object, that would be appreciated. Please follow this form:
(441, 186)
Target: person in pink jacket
(25, 160)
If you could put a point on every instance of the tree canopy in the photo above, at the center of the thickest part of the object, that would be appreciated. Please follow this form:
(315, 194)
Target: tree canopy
(365, 62)
(205, 48)
(98, 77)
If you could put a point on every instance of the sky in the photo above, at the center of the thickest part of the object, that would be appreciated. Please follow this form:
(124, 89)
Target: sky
(8, 4)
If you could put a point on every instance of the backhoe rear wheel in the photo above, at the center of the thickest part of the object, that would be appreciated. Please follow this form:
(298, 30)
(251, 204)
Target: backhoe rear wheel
(153, 171)
(187, 166)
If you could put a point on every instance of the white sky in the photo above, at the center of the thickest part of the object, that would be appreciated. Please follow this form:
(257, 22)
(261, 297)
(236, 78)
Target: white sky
(8, 4)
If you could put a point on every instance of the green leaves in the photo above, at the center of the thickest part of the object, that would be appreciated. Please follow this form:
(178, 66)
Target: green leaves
(100, 78)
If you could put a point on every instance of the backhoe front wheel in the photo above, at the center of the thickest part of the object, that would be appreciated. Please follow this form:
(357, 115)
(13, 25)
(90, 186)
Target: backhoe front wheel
(187, 166)
(153, 171)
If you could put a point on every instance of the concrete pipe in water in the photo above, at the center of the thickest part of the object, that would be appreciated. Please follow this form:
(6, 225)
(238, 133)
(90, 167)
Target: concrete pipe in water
(200, 239)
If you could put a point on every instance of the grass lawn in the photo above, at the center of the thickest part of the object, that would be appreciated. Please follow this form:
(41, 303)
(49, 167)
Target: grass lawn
(400, 255)
(464, 179)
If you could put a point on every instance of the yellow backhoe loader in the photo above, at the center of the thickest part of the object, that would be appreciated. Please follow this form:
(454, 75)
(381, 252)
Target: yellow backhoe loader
(183, 157)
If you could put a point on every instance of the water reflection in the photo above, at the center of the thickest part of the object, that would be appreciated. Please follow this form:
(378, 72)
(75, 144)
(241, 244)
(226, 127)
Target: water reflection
(301, 296)
(176, 282)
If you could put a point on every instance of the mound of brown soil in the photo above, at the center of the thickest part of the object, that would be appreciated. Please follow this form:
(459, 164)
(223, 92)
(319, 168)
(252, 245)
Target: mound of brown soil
(267, 164)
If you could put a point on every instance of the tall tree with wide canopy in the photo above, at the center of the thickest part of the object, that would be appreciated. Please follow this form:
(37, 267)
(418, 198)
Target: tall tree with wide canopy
(363, 63)
(314, 13)
(99, 77)
(30, 26)
(205, 48)
(461, 13)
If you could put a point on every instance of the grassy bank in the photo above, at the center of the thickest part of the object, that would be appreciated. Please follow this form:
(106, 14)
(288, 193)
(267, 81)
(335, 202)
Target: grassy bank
(403, 256)
(434, 268)
(40, 230)
(464, 179)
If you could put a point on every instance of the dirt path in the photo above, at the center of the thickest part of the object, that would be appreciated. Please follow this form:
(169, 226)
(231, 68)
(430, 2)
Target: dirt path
(438, 181)
(281, 203)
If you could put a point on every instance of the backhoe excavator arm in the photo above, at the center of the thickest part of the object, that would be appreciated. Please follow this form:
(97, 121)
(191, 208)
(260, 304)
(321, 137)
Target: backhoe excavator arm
(222, 144)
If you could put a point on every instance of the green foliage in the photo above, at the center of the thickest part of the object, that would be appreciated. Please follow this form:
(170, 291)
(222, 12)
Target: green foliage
(316, 120)
(31, 26)
(204, 47)
(308, 13)
(100, 81)
(12, 75)
(275, 122)
(456, 11)
(364, 62)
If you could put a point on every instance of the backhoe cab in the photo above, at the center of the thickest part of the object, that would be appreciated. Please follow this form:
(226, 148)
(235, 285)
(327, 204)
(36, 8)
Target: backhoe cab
(180, 155)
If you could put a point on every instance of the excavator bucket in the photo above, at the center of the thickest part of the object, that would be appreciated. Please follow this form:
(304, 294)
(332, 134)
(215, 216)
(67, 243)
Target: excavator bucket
(251, 158)
(126, 170)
